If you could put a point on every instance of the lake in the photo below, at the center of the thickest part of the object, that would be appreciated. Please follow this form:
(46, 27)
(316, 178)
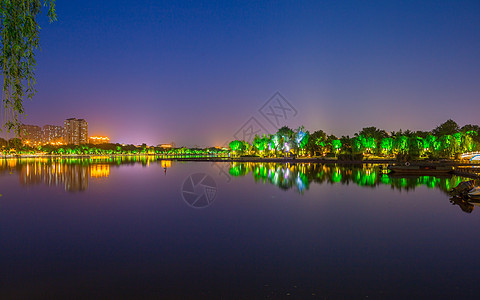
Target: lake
(144, 228)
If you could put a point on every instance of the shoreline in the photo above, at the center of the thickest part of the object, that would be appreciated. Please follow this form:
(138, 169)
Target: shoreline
(321, 160)
(326, 161)
(468, 169)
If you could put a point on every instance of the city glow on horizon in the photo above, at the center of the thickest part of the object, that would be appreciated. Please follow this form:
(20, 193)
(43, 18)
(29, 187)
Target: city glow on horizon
(99, 139)
(407, 80)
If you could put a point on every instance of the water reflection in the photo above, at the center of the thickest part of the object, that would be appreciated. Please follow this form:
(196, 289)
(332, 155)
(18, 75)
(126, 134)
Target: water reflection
(465, 206)
(74, 177)
(72, 173)
(300, 176)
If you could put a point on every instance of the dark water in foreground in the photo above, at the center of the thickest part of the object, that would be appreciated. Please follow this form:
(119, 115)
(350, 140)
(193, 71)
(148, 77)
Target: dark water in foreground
(145, 229)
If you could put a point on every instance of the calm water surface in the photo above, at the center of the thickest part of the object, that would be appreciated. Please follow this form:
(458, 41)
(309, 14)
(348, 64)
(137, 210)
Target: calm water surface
(144, 228)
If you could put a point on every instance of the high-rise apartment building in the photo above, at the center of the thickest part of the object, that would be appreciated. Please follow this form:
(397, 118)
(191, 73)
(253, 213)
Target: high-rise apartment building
(52, 134)
(75, 131)
(31, 134)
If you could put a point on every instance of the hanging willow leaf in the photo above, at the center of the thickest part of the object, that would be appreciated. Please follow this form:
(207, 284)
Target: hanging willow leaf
(19, 34)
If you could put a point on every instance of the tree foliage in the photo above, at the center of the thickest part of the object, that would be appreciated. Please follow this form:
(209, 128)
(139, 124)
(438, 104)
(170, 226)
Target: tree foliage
(19, 32)
(448, 128)
(236, 145)
(301, 137)
(373, 132)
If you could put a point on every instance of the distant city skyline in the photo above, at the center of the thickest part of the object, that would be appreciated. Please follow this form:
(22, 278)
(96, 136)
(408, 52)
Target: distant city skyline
(74, 132)
(195, 73)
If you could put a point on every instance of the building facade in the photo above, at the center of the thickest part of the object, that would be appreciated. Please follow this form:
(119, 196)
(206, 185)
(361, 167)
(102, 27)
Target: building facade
(171, 145)
(99, 140)
(75, 131)
(52, 134)
(31, 134)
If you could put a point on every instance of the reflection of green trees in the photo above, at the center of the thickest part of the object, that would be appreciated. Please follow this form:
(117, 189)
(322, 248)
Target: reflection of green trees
(276, 174)
(299, 176)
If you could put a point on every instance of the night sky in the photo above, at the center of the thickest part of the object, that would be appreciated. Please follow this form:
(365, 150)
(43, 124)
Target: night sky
(194, 72)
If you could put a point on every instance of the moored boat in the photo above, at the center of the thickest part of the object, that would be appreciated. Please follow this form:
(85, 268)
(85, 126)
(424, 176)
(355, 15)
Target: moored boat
(475, 192)
(420, 169)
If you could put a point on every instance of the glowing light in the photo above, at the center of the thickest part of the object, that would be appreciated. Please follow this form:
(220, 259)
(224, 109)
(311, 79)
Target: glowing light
(300, 137)
(99, 139)
(171, 146)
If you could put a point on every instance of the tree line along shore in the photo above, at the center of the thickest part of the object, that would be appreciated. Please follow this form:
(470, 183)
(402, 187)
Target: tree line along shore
(446, 141)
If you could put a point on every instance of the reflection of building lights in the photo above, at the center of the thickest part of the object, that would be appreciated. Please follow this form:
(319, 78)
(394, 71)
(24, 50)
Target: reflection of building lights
(166, 163)
(97, 171)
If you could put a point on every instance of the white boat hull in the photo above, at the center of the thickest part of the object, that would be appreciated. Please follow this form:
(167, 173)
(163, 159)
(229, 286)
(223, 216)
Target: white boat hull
(475, 192)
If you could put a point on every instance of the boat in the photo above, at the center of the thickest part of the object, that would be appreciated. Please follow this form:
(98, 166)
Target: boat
(463, 188)
(407, 168)
(475, 192)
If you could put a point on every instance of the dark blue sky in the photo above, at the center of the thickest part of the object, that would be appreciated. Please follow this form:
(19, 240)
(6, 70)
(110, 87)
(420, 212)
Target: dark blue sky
(194, 72)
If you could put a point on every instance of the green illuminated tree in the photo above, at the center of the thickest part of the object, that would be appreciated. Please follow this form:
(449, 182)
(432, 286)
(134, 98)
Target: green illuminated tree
(400, 145)
(370, 144)
(358, 144)
(257, 143)
(415, 147)
(239, 147)
(446, 145)
(474, 131)
(235, 145)
(317, 142)
(470, 127)
(430, 143)
(336, 146)
(261, 143)
(468, 142)
(458, 143)
(386, 146)
(301, 138)
(19, 33)
(422, 134)
(346, 144)
(329, 143)
(246, 147)
(275, 143)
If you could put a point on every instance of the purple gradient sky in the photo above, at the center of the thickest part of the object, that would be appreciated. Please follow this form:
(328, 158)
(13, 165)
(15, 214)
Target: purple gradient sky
(194, 72)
